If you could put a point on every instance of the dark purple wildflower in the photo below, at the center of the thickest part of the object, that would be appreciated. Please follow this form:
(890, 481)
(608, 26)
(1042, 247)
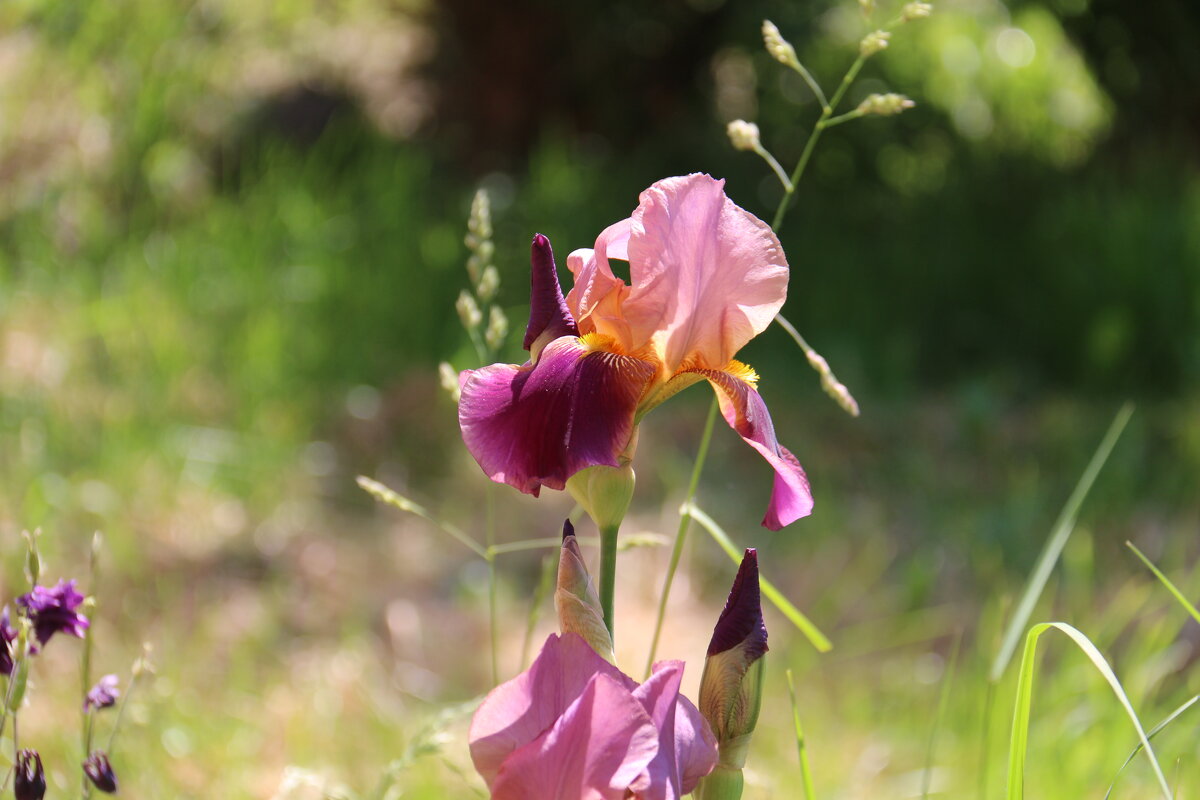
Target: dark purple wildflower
(8, 635)
(55, 610)
(103, 694)
(29, 781)
(100, 772)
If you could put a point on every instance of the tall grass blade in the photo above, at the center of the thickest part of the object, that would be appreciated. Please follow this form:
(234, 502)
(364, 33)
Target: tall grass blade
(1060, 533)
(1191, 609)
(943, 701)
(1150, 734)
(801, 742)
(1020, 729)
(785, 606)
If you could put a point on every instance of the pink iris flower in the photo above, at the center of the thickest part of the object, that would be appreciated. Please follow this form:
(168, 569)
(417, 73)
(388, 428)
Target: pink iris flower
(707, 278)
(574, 727)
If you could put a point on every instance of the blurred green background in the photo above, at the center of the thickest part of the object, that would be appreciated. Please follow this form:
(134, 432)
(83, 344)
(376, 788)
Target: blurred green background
(231, 236)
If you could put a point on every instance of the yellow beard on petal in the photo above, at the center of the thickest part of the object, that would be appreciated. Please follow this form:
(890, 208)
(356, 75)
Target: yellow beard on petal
(743, 372)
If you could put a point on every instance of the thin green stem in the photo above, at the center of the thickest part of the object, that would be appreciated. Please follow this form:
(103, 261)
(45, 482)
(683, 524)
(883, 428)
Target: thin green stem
(490, 527)
(812, 83)
(840, 118)
(822, 123)
(775, 166)
(801, 742)
(985, 746)
(685, 519)
(608, 575)
(112, 735)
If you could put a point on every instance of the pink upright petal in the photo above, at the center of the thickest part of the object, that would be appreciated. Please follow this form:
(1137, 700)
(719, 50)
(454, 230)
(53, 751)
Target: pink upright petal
(707, 275)
(517, 712)
(687, 750)
(548, 315)
(744, 410)
(537, 425)
(594, 751)
(598, 295)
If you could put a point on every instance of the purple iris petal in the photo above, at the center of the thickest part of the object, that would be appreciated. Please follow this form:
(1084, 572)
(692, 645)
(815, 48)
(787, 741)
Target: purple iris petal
(537, 425)
(103, 694)
(742, 619)
(548, 314)
(686, 747)
(55, 610)
(99, 770)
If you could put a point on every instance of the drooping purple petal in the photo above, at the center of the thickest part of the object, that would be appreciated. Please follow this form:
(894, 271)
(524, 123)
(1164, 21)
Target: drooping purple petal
(517, 712)
(54, 610)
(741, 620)
(687, 749)
(599, 746)
(743, 408)
(549, 317)
(537, 425)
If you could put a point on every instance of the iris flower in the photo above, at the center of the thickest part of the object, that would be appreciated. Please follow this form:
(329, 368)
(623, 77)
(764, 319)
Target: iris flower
(574, 727)
(707, 277)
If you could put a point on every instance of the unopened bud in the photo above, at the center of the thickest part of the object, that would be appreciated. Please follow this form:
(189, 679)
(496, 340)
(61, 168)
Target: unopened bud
(468, 310)
(576, 599)
(100, 772)
(913, 11)
(33, 559)
(497, 329)
(867, 7)
(885, 105)
(448, 377)
(873, 42)
(604, 492)
(780, 49)
(743, 135)
(29, 780)
(731, 686)
(489, 283)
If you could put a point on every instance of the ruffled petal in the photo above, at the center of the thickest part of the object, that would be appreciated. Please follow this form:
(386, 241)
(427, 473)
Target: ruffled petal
(687, 749)
(597, 297)
(537, 425)
(707, 275)
(596, 749)
(517, 712)
(548, 315)
(744, 410)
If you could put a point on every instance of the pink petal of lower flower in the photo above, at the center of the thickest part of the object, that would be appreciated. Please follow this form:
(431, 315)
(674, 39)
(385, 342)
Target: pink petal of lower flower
(687, 749)
(517, 712)
(537, 425)
(744, 410)
(707, 275)
(596, 749)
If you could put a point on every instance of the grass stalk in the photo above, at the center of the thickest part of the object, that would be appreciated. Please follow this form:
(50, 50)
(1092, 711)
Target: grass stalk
(801, 742)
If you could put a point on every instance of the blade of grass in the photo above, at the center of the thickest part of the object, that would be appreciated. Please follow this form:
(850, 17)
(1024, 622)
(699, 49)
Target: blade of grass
(1191, 609)
(1150, 734)
(801, 742)
(785, 606)
(1019, 743)
(943, 700)
(1060, 533)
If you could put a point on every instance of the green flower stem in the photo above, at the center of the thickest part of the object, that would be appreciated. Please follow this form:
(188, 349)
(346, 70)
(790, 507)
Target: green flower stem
(811, 81)
(840, 118)
(723, 783)
(608, 575)
(685, 518)
(821, 125)
(112, 736)
(775, 166)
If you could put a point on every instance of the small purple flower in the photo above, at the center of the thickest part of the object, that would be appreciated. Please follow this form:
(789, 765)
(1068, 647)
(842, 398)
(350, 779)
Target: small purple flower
(103, 694)
(8, 635)
(99, 770)
(55, 610)
(29, 781)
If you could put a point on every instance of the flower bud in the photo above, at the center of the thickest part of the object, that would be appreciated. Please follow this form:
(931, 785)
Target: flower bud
(913, 11)
(732, 682)
(29, 780)
(33, 559)
(779, 48)
(873, 42)
(489, 283)
(885, 105)
(100, 772)
(743, 135)
(867, 7)
(468, 310)
(448, 378)
(604, 492)
(576, 599)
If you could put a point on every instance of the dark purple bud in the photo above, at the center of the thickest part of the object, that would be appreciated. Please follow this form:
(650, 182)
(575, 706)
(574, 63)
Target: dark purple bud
(55, 610)
(29, 781)
(100, 772)
(103, 694)
(549, 317)
(742, 619)
(568, 529)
